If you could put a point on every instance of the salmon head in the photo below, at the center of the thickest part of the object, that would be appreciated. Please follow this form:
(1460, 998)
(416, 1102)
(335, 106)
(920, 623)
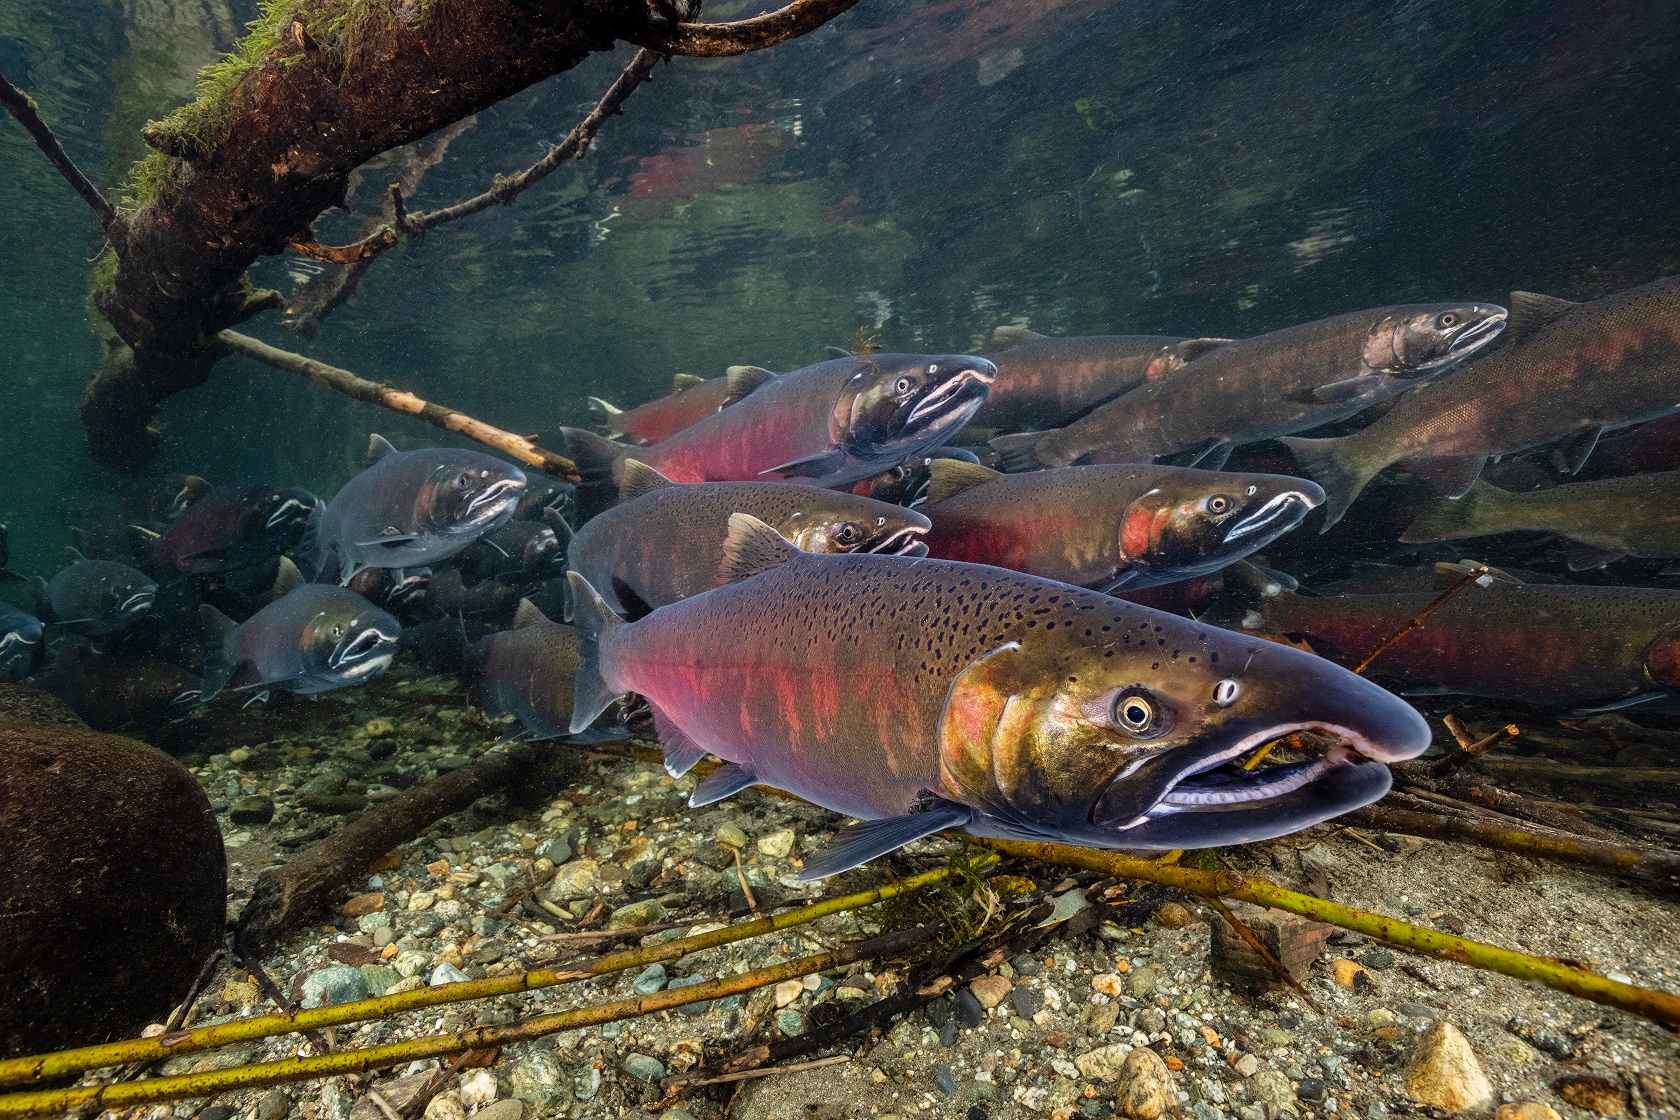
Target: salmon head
(344, 640)
(898, 405)
(834, 521)
(1416, 339)
(1193, 522)
(467, 494)
(1132, 733)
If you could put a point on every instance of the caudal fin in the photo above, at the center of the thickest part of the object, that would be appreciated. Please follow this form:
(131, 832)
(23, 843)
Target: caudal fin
(606, 416)
(1333, 465)
(594, 621)
(1019, 452)
(217, 671)
(595, 456)
(1451, 519)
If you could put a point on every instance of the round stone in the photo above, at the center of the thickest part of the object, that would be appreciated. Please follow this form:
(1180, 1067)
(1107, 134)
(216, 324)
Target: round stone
(790, 1022)
(649, 980)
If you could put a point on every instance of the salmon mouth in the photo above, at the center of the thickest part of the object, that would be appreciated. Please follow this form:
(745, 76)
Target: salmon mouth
(138, 603)
(1280, 514)
(905, 542)
(965, 390)
(1215, 800)
(488, 505)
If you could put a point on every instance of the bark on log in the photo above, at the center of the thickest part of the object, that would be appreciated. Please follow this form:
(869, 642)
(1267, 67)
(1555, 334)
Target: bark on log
(297, 889)
(274, 149)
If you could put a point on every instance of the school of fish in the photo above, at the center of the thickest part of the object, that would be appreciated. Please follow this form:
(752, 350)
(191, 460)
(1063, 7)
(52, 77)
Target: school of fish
(1072, 589)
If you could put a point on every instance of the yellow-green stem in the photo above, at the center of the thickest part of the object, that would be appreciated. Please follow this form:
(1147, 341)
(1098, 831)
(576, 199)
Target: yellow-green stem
(42, 1066)
(1659, 1007)
(129, 1094)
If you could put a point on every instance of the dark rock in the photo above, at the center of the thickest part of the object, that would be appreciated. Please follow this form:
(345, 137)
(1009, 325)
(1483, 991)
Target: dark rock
(938, 1012)
(115, 885)
(276, 1105)
(967, 1009)
(1417, 1011)
(1555, 1045)
(216, 1112)
(715, 855)
(251, 810)
(1026, 1000)
(1026, 964)
(1377, 960)
(947, 1033)
(641, 874)
(1311, 1089)
(946, 1081)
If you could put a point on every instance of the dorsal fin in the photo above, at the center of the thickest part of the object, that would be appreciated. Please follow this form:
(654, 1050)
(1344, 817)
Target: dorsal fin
(684, 381)
(742, 381)
(1192, 348)
(752, 547)
(286, 577)
(639, 479)
(75, 555)
(526, 614)
(557, 525)
(378, 448)
(949, 477)
(1530, 311)
(1005, 337)
(836, 352)
(606, 415)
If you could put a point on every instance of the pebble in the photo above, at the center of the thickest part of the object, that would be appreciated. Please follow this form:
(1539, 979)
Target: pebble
(790, 1022)
(539, 1080)
(1247, 1065)
(251, 810)
(946, 1081)
(990, 990)
(692, 1010)
(379, 919)
(1380, 1017)
(478, 1088)
(503, 1110)
(1526, 1110)
(1349, 974)
(578, 879)
(379, 978)
(557, 852)
(1145, 1088)
(1515, 1052)
(1026, 1001)
(776, 845)
(1442, 1070)
(788, 991)
(362, 905)
(649, 980)
(1104, 1063)
(1141, 982)
(643, 913)
(1026, 964)
(409, 962)
(644, 1068)
(1311, 1089)
(1108, 984)
(729, 834)
(446, 973)
(1171, 915)
(1593, 1093)
(948, 1034)
(338, 984)
(445, 1106)
(1417, 1011)
(1272, 1087)
(1378, 960)
(966, 1009)
(276, 1105)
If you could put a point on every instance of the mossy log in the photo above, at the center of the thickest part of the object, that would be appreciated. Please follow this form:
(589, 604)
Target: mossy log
(318, 88)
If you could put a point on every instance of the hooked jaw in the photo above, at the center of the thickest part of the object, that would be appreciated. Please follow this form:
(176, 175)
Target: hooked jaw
(951, 403)
(503, 494)
(1282, 513)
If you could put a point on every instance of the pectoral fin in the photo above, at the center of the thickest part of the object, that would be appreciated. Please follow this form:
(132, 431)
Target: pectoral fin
(1572, 453)
(388, 540)
(681, 752)
(859, 843)
(726, 781)
(1344, 390)
(811, 466)
(1624, 702)
(1449, 477)
(1583, 557)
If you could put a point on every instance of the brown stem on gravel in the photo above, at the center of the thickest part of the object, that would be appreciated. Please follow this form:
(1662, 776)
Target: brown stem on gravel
(1641, 776)
(23, 108)
(1417, 619)
(1491, 800)
(297, 889)
(1472, 752)
(1648, 865)
(343, 381)
(1277, 966)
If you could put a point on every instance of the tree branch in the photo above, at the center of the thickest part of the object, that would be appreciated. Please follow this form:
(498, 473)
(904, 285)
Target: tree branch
(21, 106)
(343, 381)
(720, 40)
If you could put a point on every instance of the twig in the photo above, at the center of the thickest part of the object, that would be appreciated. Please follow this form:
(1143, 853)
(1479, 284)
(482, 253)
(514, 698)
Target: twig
(505, 189)
(23, 108)
(770, 1071)
(1416, 620)
(1472, 752)
(1459, 732)
(741, 875)
(1645, 776)
(1650, 865)
(1659, 1007)
(720, 40)
(477, 1038)
(43, 1066)
(343, 381)
(383, 1105)
(1266, 955)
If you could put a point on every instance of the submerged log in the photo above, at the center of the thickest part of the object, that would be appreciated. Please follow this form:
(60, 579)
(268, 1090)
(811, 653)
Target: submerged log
(316, 90)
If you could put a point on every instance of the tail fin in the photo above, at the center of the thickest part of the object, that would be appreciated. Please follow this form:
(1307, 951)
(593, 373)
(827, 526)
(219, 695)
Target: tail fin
(217, 671)
(6, 575)
(43, 599)
(594, 621)
(594, 455)
(1451, 519)
(1333, 465)
(1019, 452)
(606, 416)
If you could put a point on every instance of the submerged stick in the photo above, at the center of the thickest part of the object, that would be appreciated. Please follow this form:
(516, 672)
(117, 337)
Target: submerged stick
(1650, 865)
(1417, 619)
(264, 1074)
(1659, 1007)
(42, 1066)
(343, 381)
(22, 108)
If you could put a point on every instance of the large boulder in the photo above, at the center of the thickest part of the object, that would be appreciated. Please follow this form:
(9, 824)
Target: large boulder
(115, 884)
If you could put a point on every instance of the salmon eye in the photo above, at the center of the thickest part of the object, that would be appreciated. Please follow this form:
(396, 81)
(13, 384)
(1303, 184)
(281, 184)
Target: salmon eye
(463, 480)
(1225, 692)
(1220, 503)
(848, 535)
(1137, 715)
(1448, 319)
(901, 386)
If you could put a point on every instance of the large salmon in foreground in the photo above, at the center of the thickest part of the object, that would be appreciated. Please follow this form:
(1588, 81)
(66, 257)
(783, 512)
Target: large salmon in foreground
(920, 695)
